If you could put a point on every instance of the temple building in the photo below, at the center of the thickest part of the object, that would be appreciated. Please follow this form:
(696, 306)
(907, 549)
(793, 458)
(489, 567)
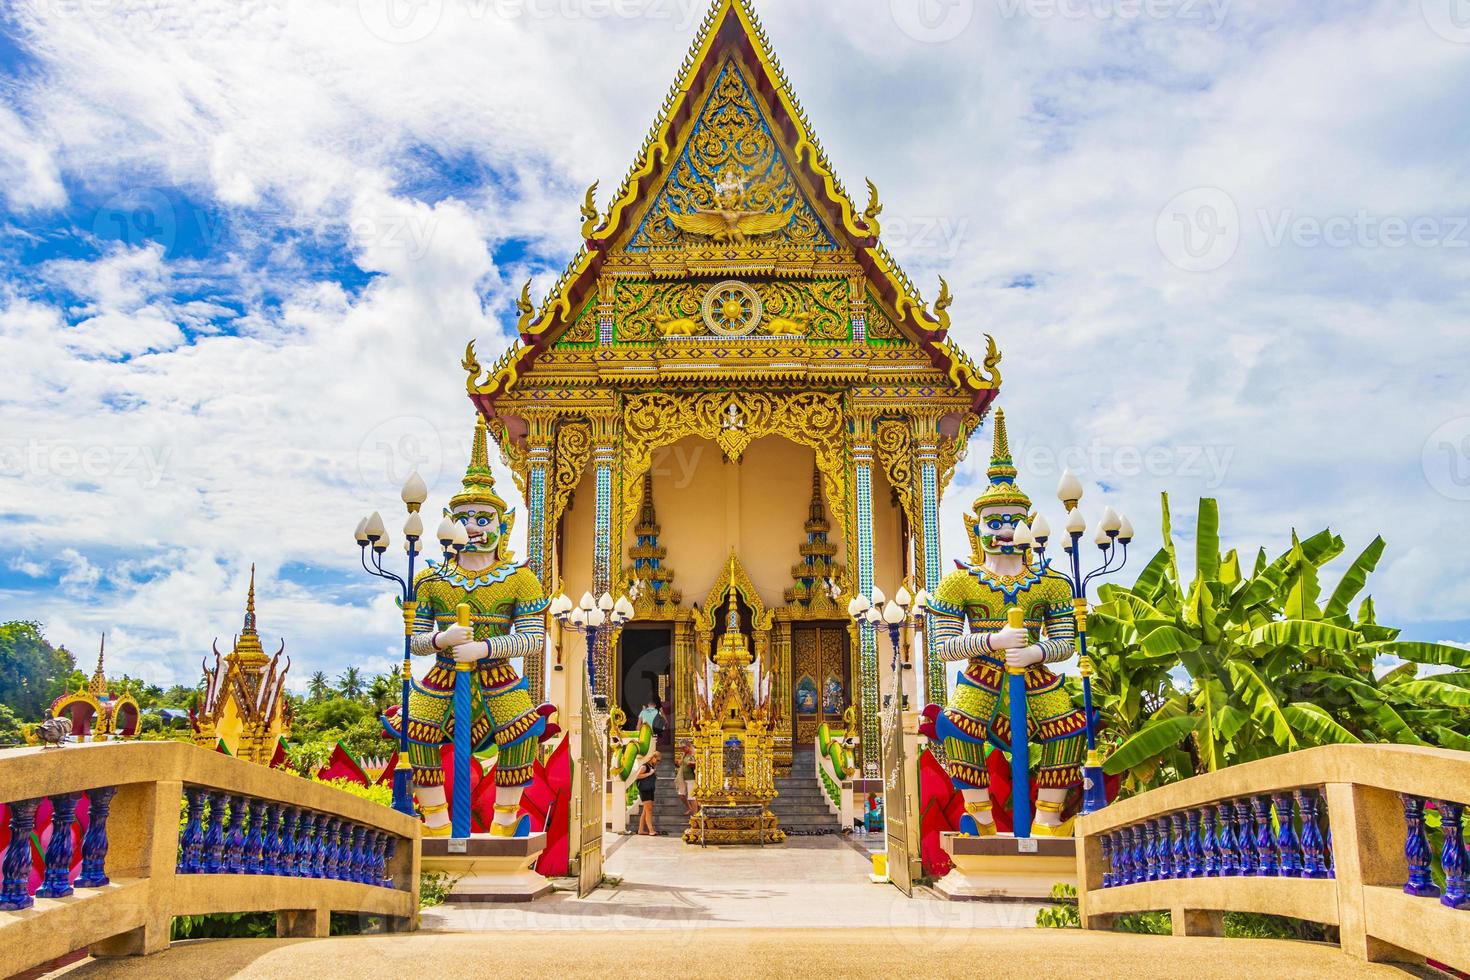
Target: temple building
(97, 714)
(244, 710)
(734, 344)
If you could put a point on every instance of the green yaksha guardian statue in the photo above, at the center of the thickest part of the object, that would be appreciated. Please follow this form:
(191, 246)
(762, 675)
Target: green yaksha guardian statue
(968, 621)
(507, 620)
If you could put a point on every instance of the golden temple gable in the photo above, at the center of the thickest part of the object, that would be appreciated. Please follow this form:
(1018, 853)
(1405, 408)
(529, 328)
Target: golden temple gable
(731, 324)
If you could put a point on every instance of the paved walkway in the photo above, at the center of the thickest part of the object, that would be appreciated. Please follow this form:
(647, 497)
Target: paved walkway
(749, 954)
(808, 882)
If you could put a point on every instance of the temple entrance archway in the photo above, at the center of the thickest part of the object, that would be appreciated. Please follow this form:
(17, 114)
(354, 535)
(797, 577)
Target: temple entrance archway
(645, 665)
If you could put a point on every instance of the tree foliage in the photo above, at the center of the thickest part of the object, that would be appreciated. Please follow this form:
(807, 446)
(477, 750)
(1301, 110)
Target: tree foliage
(32, 672)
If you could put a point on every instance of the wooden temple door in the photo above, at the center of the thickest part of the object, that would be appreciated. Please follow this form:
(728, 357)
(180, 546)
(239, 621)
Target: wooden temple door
(821, 684)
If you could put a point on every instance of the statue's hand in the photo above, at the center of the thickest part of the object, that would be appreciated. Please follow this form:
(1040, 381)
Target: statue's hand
(1009, 638)
(468, 653)
(1025, 656)
(454, 636)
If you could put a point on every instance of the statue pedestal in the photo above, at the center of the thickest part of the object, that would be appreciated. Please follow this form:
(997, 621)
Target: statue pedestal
(490, 869)
(1004, 867)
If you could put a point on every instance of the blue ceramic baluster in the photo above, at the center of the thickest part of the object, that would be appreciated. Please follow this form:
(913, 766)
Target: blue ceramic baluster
(1416, 850)
(322, 847)
(1166, 850)
(359, 855)
(342, 836)
(1245, 838)
(191, 842)
(1225, 840)
(1195, 867)
(295, 844)
(1106, 841)
(1179, 852)
(56, 882)
(255, 840)
(1265, 843)
(94, 842)
(287, 838)
(1208, 842)
(270, 841)
(1313, 864)
(15, 872)
(1150, 851)
(235, 837)
(390, 850)
(1453, 857)
(1289, 858)
(311, 843)
(1140, 853)
(214, 834)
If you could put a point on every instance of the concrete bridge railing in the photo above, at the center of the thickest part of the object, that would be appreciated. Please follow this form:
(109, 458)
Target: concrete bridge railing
(173, 829)
(1335, 835)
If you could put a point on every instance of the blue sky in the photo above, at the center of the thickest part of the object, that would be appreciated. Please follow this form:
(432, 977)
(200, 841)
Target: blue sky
(1223, 246)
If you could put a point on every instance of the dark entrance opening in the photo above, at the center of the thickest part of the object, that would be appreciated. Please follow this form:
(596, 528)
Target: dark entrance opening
(645, 672)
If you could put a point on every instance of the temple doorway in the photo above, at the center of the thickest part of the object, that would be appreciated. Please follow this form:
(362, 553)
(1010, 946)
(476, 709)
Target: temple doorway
(821, 683)
(645, 672)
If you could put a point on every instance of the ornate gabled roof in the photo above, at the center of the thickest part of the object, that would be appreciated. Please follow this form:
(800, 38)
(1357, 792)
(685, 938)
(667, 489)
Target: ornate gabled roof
(675, 216)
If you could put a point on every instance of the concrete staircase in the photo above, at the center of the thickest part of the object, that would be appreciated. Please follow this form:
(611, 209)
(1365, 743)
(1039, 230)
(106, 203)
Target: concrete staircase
(801, 808)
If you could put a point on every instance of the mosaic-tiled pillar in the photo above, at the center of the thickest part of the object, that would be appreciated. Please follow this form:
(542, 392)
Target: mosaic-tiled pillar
(868, 649)
(928, 459)
(602, 460)
(539, 460)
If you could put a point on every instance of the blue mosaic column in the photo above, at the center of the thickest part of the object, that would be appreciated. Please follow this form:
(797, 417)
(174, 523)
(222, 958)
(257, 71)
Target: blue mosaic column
(536, 558)
(602, 458)
(928, 456)
(868, 649)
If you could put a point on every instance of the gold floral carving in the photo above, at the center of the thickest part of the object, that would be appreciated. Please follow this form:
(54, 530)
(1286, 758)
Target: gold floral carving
(894, 446)
(573, 450)
(734, 420)
(638, 305)
(732, 173)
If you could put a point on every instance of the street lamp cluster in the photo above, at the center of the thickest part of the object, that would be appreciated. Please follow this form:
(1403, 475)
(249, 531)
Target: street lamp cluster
(592, 616)
(373, 542)
(1112, 535)
(879, 610)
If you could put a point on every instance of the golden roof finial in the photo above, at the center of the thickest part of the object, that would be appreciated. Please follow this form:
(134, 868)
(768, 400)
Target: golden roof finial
(99, 678)
(247, 645)
(1003, 488)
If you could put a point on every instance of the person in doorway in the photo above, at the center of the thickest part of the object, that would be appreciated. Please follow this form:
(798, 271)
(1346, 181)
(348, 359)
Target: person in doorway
(685, 780)
(648, 714)
(647, 780)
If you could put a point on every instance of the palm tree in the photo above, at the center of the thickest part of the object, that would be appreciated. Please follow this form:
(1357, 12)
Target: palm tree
(350, 683)
(384, 690)
(317, 687)
(1269, 669)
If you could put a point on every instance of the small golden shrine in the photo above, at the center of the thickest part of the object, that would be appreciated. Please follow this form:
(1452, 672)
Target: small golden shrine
(95, 712)
(734, 746)
(244, 706)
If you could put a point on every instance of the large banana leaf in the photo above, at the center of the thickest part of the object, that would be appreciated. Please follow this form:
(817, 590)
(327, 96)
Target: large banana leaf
(1316, 725)
(1254, 690)
(1155, 739)
(1207, 540)
(1169, 640)
(1306, 634)
(1428, 653)
(1432, 690)
(1354, 580)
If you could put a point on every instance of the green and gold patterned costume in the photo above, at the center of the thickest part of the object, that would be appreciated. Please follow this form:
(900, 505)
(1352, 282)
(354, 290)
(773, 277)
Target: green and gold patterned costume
(978, 598)
(508, 614)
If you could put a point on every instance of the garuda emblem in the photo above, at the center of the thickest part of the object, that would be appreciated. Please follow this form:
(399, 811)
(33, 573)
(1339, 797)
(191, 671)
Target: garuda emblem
(731, 221)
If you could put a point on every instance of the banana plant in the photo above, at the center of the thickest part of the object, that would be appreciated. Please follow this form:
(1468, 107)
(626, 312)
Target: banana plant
(1192, 676)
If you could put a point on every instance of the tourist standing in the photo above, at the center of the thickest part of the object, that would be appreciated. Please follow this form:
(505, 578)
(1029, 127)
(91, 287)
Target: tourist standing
(647, 780)
(685, 780)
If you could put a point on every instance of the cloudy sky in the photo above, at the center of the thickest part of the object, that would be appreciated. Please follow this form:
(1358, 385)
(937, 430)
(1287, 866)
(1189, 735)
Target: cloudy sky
(1222, 243)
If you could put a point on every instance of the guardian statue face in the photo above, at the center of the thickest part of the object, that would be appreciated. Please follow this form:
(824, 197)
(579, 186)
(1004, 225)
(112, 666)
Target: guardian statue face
(995, 527)
(483, 525)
